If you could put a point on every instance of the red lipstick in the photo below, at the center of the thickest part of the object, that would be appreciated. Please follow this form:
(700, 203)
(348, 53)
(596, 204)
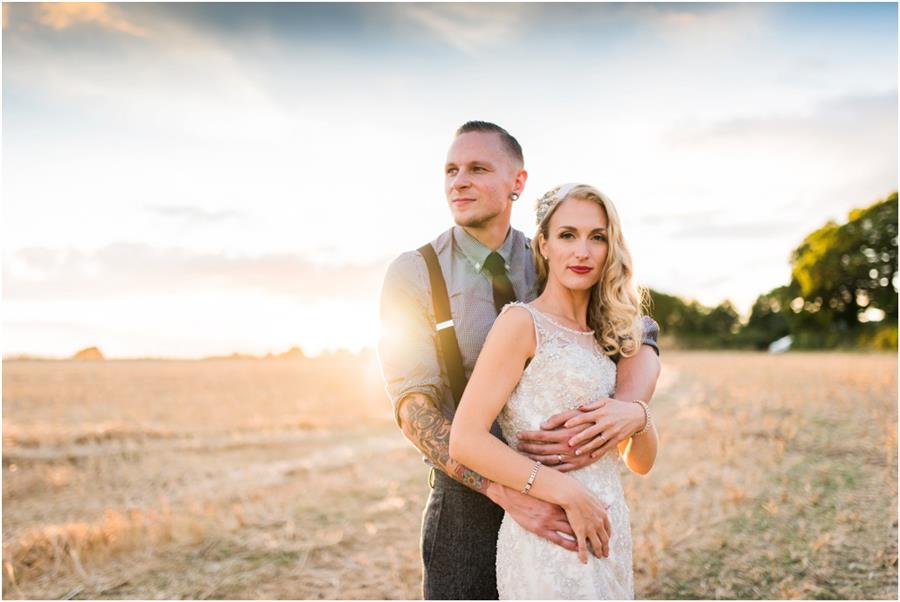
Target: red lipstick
(580, 269)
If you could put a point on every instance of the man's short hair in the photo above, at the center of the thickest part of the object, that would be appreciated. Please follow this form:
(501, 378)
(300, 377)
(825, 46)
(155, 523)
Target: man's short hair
(511, 144)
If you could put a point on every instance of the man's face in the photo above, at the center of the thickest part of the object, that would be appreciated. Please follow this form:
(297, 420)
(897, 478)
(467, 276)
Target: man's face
(479, 177)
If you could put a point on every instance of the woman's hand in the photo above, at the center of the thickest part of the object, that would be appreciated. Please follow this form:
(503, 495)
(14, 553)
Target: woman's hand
(611, 422)
(589, 519)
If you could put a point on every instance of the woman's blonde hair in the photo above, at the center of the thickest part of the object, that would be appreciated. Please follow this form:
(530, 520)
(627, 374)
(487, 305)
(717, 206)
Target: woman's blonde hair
(614, 309)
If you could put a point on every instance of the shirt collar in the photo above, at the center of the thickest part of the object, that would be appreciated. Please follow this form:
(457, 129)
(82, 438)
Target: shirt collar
(476, 253)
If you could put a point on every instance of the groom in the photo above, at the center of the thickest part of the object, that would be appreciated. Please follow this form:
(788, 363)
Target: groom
(483, 263)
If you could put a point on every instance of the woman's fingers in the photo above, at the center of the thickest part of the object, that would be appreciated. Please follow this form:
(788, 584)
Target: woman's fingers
(588, 434)
(605, 439)
(604, 535)
(596, 544)
(582, 546)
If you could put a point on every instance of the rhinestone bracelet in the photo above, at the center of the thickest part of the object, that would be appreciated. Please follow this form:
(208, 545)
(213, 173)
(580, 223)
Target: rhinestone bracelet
(646, 418)
(534, 471)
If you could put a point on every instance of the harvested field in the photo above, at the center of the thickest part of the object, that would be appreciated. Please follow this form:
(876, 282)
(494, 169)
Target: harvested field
(287, 479)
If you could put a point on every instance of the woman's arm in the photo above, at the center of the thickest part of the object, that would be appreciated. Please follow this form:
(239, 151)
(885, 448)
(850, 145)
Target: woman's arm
(509, 344)
(639, 452)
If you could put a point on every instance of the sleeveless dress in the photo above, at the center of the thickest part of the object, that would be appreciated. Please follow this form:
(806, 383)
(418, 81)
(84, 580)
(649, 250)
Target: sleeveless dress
(567, 370)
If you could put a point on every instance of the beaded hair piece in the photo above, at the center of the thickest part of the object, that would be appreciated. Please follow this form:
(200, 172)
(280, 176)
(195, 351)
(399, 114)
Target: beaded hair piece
(547, 202)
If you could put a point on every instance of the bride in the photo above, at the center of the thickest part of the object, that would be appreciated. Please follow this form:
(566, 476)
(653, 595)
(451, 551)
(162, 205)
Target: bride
(540, 358)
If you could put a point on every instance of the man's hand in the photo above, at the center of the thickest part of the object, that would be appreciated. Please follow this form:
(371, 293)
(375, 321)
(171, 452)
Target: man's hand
(605, 423)
(537, 516)
(550, 445)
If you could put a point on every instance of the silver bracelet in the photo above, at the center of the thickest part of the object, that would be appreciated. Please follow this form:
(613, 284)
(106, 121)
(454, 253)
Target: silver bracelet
(646, 418)
(534, 471)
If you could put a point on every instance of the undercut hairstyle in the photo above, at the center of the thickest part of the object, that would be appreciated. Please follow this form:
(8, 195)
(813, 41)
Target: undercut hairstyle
(509, 142)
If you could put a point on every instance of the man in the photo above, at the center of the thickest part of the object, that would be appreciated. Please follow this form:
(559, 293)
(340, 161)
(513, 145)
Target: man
(484, 263)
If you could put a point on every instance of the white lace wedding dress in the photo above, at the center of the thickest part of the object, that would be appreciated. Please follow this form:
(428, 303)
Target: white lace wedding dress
(568, 369)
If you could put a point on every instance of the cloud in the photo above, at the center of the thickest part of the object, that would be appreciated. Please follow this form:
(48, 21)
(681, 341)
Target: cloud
(39, 273)
(193, 214)
(467, 27)
(753, 230)
(59, 16)
(839, 120)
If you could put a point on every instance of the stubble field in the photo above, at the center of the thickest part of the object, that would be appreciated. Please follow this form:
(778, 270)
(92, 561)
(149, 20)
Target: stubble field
(777, 478)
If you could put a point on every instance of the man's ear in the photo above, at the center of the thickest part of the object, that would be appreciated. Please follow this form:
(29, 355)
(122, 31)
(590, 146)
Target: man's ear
(521, 177)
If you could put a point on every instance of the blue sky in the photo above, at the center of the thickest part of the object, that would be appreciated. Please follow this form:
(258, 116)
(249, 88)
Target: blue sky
(190, 179)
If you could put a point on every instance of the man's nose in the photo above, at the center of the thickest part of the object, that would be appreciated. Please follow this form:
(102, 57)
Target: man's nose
(460, 180)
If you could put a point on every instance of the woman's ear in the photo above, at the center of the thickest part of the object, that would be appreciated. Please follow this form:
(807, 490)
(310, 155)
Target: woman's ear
(542, 244)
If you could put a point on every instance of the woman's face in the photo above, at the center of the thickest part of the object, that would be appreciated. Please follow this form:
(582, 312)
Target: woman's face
(576, 245)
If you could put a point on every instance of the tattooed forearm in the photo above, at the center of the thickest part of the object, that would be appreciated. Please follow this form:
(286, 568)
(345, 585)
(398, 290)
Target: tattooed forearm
(429, 430)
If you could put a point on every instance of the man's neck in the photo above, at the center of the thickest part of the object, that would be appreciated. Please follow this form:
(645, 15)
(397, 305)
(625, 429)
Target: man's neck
(490, 235)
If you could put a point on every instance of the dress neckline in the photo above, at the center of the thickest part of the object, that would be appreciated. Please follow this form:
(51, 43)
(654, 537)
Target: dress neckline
(557, 324)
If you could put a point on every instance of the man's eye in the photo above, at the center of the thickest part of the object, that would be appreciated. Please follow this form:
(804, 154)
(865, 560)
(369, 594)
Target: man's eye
(477, 168)
(452, 171)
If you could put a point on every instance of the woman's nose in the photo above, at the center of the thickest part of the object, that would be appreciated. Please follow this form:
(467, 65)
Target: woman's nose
(581, 251)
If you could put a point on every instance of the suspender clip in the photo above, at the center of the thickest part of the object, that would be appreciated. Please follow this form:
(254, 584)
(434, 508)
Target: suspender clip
(444, 324)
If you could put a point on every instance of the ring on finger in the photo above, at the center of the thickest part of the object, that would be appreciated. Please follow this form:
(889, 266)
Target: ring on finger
(559, 458)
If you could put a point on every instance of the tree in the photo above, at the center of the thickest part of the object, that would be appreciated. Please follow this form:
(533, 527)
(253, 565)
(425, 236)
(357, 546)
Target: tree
(768, 321)
(840, 272)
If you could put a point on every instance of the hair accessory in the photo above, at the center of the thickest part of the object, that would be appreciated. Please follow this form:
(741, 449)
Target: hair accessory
(547, 202)
(514, 197)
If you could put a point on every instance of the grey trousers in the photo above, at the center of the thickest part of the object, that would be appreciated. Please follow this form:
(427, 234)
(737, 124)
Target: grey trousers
(459, 542)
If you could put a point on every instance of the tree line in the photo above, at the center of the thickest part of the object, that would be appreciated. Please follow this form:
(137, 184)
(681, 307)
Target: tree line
(842, 294)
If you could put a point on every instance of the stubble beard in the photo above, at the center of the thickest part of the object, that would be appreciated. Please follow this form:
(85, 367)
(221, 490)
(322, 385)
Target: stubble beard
(476, 221)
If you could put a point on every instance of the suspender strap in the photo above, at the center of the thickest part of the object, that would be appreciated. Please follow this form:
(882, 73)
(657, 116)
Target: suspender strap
(446, 333)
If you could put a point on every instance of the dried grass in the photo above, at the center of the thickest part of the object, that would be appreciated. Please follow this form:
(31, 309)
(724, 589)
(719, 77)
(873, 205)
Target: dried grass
(777, 478)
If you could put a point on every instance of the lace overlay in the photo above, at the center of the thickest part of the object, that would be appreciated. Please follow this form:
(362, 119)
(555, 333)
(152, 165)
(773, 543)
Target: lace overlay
(568, 369)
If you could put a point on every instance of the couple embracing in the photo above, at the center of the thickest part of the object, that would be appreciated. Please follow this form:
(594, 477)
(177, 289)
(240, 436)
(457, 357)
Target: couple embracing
(521, 370)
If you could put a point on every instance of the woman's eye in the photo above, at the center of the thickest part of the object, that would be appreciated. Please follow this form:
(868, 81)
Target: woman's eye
(600, 237)
(567, 235)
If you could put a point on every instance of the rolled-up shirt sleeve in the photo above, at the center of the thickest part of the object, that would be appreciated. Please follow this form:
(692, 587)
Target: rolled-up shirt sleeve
(651, 333)
(406, 346)
(651, 336)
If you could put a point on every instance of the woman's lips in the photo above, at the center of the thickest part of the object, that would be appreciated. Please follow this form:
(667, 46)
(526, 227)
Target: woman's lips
(578, 269)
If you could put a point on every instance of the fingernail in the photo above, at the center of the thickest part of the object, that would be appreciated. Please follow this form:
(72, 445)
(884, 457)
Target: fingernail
(577, 452)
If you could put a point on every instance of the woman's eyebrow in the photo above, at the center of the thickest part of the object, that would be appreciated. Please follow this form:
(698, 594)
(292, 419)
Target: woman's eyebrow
(601, 229)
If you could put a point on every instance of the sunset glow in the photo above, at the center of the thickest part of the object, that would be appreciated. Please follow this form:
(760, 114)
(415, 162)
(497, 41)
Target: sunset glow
(185, 180)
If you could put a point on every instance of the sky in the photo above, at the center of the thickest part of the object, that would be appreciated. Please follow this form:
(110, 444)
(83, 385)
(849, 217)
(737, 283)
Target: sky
(184, 180)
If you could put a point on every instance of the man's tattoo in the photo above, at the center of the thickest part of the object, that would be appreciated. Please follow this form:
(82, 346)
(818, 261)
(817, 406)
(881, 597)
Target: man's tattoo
(429, 430)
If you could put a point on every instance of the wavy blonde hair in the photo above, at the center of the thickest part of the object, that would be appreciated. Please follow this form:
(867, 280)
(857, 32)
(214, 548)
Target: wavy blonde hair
(615, 306)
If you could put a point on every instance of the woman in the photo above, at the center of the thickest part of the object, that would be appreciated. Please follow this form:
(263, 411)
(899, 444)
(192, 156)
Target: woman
(538, 357)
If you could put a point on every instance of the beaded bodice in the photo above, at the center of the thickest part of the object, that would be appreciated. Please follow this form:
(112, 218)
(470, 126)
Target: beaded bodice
(568, 369)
